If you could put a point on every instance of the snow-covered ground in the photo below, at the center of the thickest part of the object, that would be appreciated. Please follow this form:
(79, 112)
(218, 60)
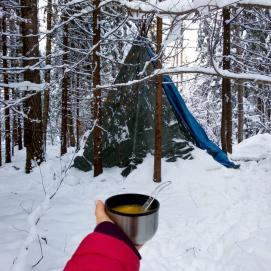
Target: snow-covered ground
(211, 218)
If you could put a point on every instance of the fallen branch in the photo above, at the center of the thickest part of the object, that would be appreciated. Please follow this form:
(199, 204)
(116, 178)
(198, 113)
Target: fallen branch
(19, 263)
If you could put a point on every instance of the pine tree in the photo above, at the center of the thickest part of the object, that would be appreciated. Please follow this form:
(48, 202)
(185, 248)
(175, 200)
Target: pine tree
(33, 138)
(158, 107)
(64, 99)
(46, 98)
(226, 120)
(6, 89)
(97, 100)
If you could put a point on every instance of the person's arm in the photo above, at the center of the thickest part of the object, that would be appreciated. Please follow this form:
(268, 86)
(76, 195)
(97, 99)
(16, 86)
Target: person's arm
(106, 249)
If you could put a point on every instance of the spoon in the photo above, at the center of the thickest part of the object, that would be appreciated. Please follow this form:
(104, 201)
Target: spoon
(154, 193)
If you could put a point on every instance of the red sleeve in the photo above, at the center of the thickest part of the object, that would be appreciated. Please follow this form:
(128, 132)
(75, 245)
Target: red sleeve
(104, 251)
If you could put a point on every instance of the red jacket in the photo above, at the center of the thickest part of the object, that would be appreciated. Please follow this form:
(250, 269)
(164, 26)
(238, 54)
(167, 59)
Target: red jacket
(106, 249)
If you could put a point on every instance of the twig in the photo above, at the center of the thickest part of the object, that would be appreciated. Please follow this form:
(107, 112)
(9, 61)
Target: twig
(42, 180)
(41, 252)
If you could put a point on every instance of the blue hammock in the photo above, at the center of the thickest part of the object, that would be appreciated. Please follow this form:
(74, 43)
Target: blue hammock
(183, 115)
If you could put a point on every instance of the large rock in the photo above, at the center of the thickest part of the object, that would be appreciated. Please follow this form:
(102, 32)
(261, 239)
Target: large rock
(128, 119)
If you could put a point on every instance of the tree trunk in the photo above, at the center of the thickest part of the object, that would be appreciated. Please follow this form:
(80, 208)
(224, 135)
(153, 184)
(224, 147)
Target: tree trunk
(47, 73)
(226, 120)
(14, 126)
(240, 94)
(32, 106)
(269, 111)
(20, 131)
(158, 108)
(19, 63)
(0, 137)
(70, 126)
(1, 49)
(6, 92)
(13, 77)
(96, 67)
(77, 114)
(260, 106)
(64, 117)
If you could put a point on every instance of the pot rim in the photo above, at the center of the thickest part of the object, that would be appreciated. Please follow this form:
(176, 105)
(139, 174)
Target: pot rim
(154, 210)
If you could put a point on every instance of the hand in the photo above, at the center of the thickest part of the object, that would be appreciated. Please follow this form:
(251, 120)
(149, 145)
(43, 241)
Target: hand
(100, 213)
(101, 216)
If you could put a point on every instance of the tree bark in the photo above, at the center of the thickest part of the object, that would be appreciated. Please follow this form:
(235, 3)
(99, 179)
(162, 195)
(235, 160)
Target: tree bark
(0, 136)
(20, 131)
(14, 126)
(19, 63)
(32, 106)
(97, 101)
(13, 77)
(260, 106)
(240, 94)
(6, 92)
(77, 114)
(70, 126)
(158, 107)
(1, 49)
(226, 120)
(240, 97)
(46, 97)
(64, 112)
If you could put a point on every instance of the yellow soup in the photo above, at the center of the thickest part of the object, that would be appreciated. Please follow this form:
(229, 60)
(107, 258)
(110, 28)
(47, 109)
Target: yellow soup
(129, 209)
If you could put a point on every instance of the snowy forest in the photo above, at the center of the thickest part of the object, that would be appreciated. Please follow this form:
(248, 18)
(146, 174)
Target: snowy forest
(101, 97)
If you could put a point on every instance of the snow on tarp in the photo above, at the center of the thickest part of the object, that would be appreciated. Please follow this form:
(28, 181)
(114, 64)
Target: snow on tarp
(253, 149)
(183, 115)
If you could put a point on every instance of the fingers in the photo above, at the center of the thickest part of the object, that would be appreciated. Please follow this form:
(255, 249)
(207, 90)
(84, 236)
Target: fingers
(101, 216)
(100, 213)
(138, 247)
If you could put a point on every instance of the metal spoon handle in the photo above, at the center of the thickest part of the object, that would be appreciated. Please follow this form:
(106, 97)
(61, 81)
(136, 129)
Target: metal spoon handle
(155, 192)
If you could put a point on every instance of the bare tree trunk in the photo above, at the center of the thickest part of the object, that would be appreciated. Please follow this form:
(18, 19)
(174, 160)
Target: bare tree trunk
(223, 122)
(47, 73)
(6, 92)
(20, 131)
(32, 106)
(70, 126)
(269, 111)
(226, 120)
(240, 94)
(14, 127)
(97, 101)
(1, 49)
(19, 63)
(260, 106)
(77, 114)
(64, 113)
(13, 77)
(0, 137)
(158, 108)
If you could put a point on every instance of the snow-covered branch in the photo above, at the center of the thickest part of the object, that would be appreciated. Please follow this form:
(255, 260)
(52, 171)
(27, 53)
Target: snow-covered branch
(177, 7)
(198, 70)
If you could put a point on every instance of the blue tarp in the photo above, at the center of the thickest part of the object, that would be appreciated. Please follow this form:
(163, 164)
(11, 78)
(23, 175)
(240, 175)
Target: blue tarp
(183, 115)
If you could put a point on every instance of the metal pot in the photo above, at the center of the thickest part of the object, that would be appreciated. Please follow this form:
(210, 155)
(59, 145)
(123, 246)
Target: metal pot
(138, 227)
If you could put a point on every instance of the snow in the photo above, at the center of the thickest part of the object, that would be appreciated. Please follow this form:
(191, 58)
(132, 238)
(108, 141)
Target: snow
(254, 148)
(211, 218)
(25, 86)
(185, 6)
(196, 69)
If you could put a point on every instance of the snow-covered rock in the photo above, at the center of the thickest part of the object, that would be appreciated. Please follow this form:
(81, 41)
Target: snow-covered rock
(254, 148)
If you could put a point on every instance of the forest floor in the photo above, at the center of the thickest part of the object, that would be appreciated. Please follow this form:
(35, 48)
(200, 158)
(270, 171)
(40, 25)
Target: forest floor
(211, 218)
